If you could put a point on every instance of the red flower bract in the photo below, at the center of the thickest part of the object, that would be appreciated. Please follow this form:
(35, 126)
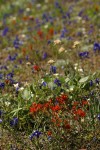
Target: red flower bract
(51, 31)
(55, 108)
(85, 102)
(81, 113)
(40, 34)
(35, 107)
(36, 67)
(67, 126)
(49, 133)
(61, 99)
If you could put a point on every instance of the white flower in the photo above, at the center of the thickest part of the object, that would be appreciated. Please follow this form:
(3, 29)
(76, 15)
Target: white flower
(7, 103)
(16, 85)
(57, 42)
(76, 64)
(46, 26)
(80, 70)
(28, 63)
(51, 61)
(21, 89)
(82, 119)
(56, 74)
(76, 43)
(27, 9)
(75, 67)
(71, 89)
(62, 49)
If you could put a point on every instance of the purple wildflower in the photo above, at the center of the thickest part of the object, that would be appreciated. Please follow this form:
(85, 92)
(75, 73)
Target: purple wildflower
(98, 116)
(12, 58)
(48, 42)
(35, 134)
(97, 81)
(10, 75)
(2, 85)
(44, 55)
(57, 82)
(14, 122)
(84, 54)
(44, 84)
(53, 69)
(1, 112)
(16, 42)
(96, 47)
(0, 120)
(5, 31)
(91, 83)
(1, 76)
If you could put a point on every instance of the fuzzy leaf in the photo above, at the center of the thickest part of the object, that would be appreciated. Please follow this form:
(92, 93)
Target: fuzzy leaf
(82, 80)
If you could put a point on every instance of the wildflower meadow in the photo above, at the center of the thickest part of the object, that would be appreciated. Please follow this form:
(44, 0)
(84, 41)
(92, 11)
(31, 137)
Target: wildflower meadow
(49, 75)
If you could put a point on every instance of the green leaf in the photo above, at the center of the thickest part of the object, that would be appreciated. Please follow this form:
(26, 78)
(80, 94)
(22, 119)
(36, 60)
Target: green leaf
(82, 80)
(26, 94)
(32, 89)
(67, 79)
(15, 111)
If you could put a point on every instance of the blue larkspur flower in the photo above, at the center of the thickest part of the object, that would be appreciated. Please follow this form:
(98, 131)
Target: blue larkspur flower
(1, 112)
(68, 15)
(0, 120)
(53, 69)
(96, 47)
(5, 31)
(17, 43)
(97, 81)
(63, 33)
(1, 76)
(48, 42)
(57, 5)
(98, 116)
(45, 17)
(10, 75)
(84, 54)
(91, 83)
(44, 56)
(2, 85)
(35, 134)
(14, 122)
(44, 83)
(57, 82)
(12, 58)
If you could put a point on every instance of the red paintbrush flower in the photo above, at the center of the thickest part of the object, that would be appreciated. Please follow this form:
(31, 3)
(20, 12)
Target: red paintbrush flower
(49, 133)
(81, 113)
(84, 102)
(55, 108)
(35, 107)
(36, 68)
(67, 126)
(51, 31)
(40, 34)
(64, 97)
